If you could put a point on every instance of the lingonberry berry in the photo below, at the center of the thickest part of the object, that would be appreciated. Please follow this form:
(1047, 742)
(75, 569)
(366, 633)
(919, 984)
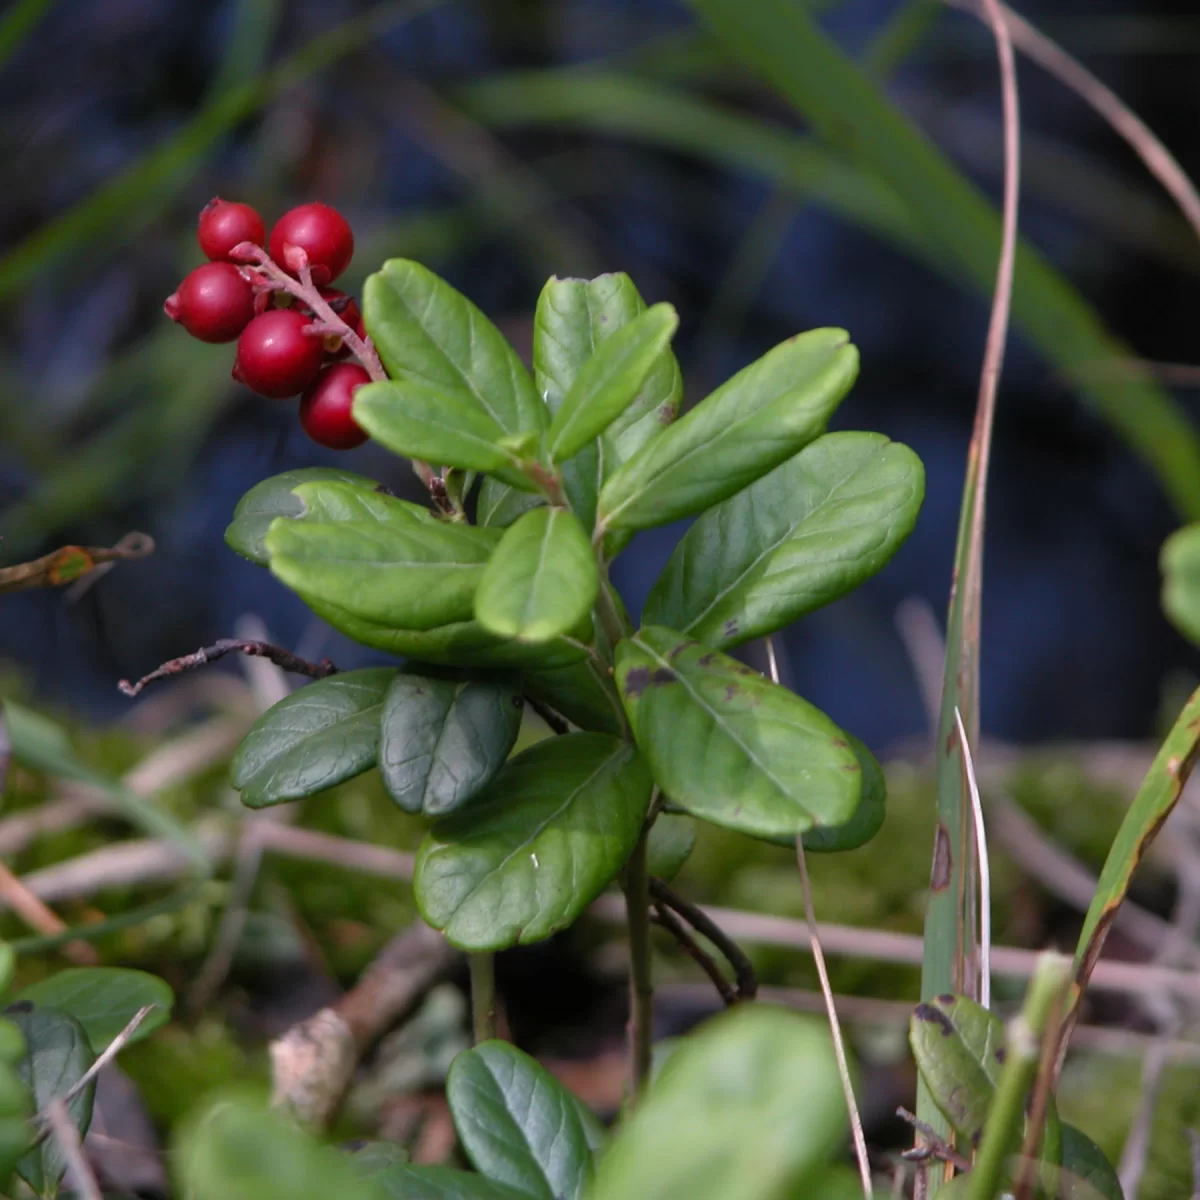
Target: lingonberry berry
(322, 233)
(347, 308)
(325, 407)
(225, 223)
(275, 357)
(214, 303)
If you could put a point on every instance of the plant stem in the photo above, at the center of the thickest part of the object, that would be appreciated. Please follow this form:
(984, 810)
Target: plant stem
(641, 987)
(1025, 1033)
(483, 995)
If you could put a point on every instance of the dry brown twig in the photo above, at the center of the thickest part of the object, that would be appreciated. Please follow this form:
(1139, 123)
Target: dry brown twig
(79, 1173)
(40, 918)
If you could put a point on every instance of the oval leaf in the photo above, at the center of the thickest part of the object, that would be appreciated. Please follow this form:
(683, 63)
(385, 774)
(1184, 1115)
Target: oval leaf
(868, 816)
(671, 839)
(104, 1000)
(610, 381)
(1086, 1172)
(810, 531)
(518, 1125)
(749, 1107)
(428, 332)
(318, 736)
(57, 1056)
(273, 498)
(766, 413)
(541, 580)
(500, 505)
(731, 746)
(443, 740)
(1181, 580)
(405, 1181)
(541, 843)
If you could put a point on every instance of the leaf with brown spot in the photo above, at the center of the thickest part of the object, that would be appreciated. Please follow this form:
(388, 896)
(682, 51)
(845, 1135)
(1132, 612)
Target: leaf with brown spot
(68, 563)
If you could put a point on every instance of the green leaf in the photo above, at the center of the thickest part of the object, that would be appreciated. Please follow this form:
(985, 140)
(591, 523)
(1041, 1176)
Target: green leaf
(671, 839)
(517, 1123)
(320, 735)
(500, 505)
(398, 572)
(443, 740)
(408, 1182)
(273, 498)
(731, 746)
(542, 579)
(748, 1107)
(57, 1057)
(441, 427)
(868, 816)
(104, 1000)
(429, 333)
(959, 1048)
(610, 381)
(1086, 1172)
(767, 412)
(576, 691)
(810, 531)
(1180, 562)
(537, 847)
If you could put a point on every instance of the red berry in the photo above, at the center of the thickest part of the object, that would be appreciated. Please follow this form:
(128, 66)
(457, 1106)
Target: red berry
(345, 307)
(322, 233)
(225, 223)
(325, 407)
(214, 303)
(275, 357)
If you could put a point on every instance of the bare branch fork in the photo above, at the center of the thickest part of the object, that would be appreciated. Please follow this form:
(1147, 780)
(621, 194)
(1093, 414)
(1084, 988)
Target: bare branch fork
(207, 654)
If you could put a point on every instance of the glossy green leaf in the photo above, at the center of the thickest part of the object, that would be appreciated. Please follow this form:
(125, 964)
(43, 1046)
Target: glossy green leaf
(751, 1106)
(500, 505)
(104, 1000)
(541, 580)
(274, 498)
(868, 816)
(810, 531)
(671, 839)
(766, 413)
(959, 1048)
(610, 381)
(1086, 1172)
(579, 692)
(429, 333)
(57, 1057)
(442, 427)
(325, 502)
(1181, 580)
(443, 740)
(320, 735)
(517, 1123)
(399, 573)
(537, 847)
(410, 1182)
(731, 746)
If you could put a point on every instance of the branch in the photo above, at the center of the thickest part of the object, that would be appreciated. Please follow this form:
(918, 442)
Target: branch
(207, 654)
(551, 718)
(934, 1146)
(676, 928)
(79, 1173)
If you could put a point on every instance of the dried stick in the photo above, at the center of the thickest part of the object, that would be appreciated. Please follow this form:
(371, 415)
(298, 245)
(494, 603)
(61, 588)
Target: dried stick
(79, 1173)
(675, 927)
(34, 912)
(207, 654)
(985, 871)
(933, 1147)
(108, 1053)
(555, 723)
(702, 923)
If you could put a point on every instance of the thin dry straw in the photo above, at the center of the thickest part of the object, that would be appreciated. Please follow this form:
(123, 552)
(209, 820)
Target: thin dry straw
(985, 872)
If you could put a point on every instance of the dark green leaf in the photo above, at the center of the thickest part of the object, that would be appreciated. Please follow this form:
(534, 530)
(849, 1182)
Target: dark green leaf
(749, 1107)
(500, 505)
(57, 1057)
(399, 573)
(104, 1000)
(274, 498)
(610, 381)
(731, 746)
(576, 691)
(441, 427)
(408, 1182)
(542, 579)
(868, 816)
(810, 531)
(959, 1048)
(1086, 1172)
(517, 1123)
(320, 735)
(761, 417)
(537, 847)
(672, 837)
(428, 333)
(443, 740)
(1181, 580)
(374, 1158)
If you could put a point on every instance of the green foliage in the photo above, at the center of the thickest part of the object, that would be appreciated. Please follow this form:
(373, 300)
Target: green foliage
(1181, 580)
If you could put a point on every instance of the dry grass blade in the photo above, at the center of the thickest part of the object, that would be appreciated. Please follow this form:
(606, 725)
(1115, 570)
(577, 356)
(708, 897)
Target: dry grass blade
(35, 913)
(985, 870)
(79, 1173)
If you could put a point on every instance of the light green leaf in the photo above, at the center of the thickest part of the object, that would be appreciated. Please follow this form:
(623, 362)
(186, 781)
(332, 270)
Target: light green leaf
(517, 1123)
(868, 816)
(408, 1182)
(1180, 562)
(320, 735)
(758, 1095)
(57, 1057)
(500, 505)
(537, 847)
(440, 427)
(429, 333)
(330, 501)
(810, 531)
(766, 413)
(610, 381)
(274, 498)
(671, 839)
(730, 746)
(103, 1000)
(443, 739)
(541, 580)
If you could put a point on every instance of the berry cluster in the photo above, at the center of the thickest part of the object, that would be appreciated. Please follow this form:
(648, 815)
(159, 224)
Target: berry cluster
(291, 328)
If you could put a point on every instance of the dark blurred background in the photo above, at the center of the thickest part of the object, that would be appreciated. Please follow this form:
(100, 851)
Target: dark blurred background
(119, 119)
